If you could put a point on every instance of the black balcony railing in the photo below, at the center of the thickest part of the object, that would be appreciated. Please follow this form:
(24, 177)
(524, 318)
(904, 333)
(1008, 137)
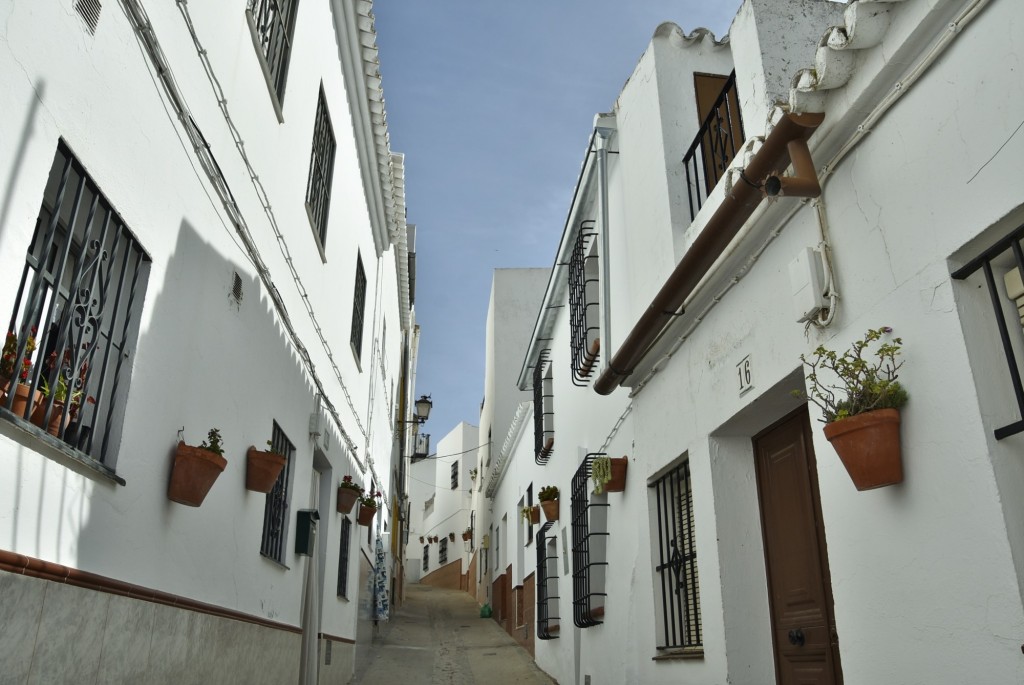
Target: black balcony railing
(719, 138)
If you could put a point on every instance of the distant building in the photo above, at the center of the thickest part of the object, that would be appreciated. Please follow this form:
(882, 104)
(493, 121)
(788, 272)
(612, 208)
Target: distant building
(826, 170)
(202, 226)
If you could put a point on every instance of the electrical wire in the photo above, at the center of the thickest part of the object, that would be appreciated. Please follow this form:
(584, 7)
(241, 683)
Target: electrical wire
(453, 454)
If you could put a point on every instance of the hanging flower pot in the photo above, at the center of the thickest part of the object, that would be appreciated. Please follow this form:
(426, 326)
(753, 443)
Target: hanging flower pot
(609, 474)
(467, 535)
(868, 444)
(195, 470)
(451, 537)
(367, 510)
(348, 494)
(531, 514)
(550, 507)
(421, 539)
(262, 469)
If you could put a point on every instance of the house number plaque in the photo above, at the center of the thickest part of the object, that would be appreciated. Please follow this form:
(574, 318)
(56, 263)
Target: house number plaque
(743, 371)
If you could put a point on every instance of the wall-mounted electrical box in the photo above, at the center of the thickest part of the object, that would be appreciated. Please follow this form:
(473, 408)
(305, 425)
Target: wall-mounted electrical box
(305, 531)
(807, 284)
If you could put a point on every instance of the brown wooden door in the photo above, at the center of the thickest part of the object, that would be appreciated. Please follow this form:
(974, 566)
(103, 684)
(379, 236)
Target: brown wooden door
(799, 587)
(721, 141)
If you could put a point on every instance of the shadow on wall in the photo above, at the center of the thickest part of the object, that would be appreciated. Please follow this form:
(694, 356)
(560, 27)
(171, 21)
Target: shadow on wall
(18, 158)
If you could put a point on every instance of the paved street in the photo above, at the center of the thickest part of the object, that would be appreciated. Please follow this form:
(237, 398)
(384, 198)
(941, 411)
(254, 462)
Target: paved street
(438, 638)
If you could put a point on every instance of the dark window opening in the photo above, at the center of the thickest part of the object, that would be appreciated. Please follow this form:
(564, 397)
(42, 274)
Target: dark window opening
(543, 409)
(358, 305)
(547, 583)
(455, 475)
(321, 171)
(589, 548)
(676, 570)
(346, 540)
(442, 551)
(275, 512)
(275, 26)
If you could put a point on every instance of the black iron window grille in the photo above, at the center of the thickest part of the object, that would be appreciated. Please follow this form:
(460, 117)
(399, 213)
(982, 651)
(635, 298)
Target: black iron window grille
(1007, 255)
(455, 475)
(426, 557)
(529, 521)
(719, 138)
(442, 551)
(547, 583)
(275, 512)
(343, 550)
(274, 22)
(543, 409)
(76, 314)
(584, 314)
(677, 561)
(321, 171)
(358, 307)
(589, 548)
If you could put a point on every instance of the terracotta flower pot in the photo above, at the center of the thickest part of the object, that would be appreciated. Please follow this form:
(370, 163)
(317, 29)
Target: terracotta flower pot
(193, 474)
(467, 536)
(550, 507)
(55, 426)
(22, 398)
(868, 444)
(366, 514)
(262, 469)
(534, 515)
(347, 498)
(618, 481)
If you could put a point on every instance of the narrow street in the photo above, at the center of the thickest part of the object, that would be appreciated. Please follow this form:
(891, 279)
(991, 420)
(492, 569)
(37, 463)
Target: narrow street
(438, 638)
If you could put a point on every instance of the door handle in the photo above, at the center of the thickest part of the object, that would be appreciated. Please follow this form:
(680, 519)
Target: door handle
(796, 637)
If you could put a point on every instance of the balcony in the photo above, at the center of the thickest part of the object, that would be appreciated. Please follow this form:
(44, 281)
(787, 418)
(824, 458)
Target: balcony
(715, 145)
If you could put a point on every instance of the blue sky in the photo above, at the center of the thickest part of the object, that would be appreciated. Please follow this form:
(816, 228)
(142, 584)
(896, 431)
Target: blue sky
(492, 104)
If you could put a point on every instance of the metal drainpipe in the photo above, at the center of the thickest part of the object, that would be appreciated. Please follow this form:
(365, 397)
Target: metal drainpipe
(604, 135)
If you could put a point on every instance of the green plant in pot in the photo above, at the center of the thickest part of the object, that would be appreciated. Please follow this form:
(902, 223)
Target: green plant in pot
(369, 503)
(348, 494)
(263, 468)
(860, 397)
(548, 497)
(14, 373)
(196, 469)
(609, 474)
(530, 514)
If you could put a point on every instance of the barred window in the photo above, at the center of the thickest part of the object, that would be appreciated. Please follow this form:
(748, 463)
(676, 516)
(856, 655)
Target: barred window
(547, 584)
(584, 314)
(275, 512)
(442, 551)
(321, 171)
(529, 522)
(455, 475)
(426, 557)
(358, 305)
(343, 550)
(273, 26)
(1004, 261)
(676, 569)
(76, 315)
(543, 409)
(589, 548)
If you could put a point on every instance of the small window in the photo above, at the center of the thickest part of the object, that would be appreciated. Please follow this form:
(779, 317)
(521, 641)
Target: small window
(321, 171)
(543, 409)
(358, 305)
(442, 551)
(76, 313)
(426, 557)
(455, 475)
(275, 512)
(529, 522)
(273, 25)
(584, 306)
(346, 543)
(675, 572)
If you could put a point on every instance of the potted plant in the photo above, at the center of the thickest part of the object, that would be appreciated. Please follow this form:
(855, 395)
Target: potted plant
(348, 494)
(65, 392)
(473, 473)
(263, 468)
(10, 371)
(609, 474)
(421, 539)
(530, 514)
(451, 537)
(195, 469)
(548, 497)
(368, 505)
(860, 402)
(467, 535)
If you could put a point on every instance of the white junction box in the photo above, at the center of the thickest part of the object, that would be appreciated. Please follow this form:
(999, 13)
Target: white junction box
(807, 282)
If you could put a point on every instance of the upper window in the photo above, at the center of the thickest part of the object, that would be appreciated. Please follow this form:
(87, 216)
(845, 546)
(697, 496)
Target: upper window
(717, 141)
(455, 475)
(76, 314)
(272, 23)
(1002, 265)
(426, 557)
(321, 170)
(358, 306)
(275, 512)
(676, 564)
(543, 410)
(584, 314)
(346, 543)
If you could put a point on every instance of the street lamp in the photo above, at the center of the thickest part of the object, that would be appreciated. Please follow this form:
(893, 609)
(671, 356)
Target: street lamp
(423, 406)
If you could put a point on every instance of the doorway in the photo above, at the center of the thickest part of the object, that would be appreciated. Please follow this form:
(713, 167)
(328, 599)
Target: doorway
(804, 637)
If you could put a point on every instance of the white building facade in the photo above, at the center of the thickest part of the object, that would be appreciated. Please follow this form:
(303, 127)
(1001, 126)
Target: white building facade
(202, 227)
(671, 332)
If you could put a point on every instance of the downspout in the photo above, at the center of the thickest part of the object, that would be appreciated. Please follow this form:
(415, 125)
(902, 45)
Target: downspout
(785, 144)
(604, 136)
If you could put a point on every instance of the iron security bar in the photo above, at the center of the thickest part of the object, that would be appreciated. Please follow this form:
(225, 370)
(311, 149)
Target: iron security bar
(275, 512)
(677, 561)
(321, 170)
(547, 584)
(716, 143)
(583, 592)
(583, 304)
(543, 414)
(275, 24)
(1010, 244)
(76, 314)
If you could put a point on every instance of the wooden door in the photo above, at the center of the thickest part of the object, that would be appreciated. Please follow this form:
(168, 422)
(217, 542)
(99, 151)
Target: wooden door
(799, 586)
(720, 141)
